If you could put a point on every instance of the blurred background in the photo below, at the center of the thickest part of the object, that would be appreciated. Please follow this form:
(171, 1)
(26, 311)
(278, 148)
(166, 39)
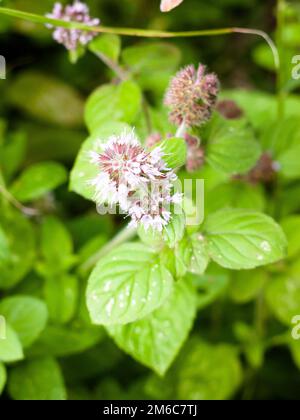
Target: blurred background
(49, 124)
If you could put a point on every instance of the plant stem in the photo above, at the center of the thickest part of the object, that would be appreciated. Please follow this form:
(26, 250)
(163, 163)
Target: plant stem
(280, 48)
(141, 32)
(11, 199)
(122, 74)
(124, 235)
(181, 130)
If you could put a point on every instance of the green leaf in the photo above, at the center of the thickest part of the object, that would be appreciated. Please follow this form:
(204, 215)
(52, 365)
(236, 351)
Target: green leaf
(199, 256)
(182, 257)
(13, 153)
(156, 339)
(151, 57)
(61, 295)
(3, 377)
(83, 170)
(146, 60)
(233, 151)
(174, 231)
(57, 258)
(280, 135)
(38, 379)
(246, 285)
(242, 239)
(10, 346)
(46, 99)
(295, 350)
(283, 297)
(252, 345)
(112, 103)
(37, 180)
(291, 228)
(151, 237)
(4, 248)
(18, 231)
(175, 151)
(60, 340)
(289, 162)
(262, 55)
(235, 194)
(208, 372)
(27, 316)
(107, 44)
(127, 285)
(210, 286)
(261, 109)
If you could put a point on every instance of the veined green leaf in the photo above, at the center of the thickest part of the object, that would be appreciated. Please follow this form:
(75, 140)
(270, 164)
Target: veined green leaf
(128, 284)
(242, 239)
(156, 339)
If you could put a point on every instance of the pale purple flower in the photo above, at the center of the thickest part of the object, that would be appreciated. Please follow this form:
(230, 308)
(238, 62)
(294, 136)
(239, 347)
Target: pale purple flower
(77, 12)
(191, 96)
(136, 179)
(167, 5)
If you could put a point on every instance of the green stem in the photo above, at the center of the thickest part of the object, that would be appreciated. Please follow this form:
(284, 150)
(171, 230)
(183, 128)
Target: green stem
(11, 199)
(181, 130)
(141, 32)
(121, 74)
(124, 235)
(280, 48)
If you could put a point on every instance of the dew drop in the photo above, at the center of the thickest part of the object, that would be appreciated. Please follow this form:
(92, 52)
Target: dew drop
(109, 306)
(265, 246)
(107, 286)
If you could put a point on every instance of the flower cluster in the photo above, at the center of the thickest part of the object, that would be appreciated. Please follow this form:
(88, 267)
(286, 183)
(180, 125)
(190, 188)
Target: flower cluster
(191, 96)
(77, 12)
(138, 180)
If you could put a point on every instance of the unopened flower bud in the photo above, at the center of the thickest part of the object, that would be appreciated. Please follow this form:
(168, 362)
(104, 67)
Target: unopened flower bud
(191, 96)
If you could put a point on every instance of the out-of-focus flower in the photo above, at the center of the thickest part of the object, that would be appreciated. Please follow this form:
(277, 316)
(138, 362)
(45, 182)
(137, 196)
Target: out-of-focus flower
(167, 5)
(77, 12)
(153, 139)
(139, 181)
(191, 96)
(195, 153)
(265, 170)
(229, 109)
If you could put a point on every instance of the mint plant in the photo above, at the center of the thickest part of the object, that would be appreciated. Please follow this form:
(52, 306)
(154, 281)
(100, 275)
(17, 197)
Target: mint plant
(131, 279)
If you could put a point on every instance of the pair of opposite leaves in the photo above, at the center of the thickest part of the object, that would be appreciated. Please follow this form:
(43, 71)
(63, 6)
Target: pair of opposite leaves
(167, 5)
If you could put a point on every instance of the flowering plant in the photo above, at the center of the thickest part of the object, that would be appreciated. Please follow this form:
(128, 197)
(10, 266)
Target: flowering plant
(157, 215)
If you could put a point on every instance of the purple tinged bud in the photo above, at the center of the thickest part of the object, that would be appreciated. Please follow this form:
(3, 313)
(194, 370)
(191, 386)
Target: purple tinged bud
(77, 12)
(192, 96)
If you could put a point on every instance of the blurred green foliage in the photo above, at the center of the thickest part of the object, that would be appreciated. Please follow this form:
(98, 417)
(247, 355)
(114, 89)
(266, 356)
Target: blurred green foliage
(51, 112)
